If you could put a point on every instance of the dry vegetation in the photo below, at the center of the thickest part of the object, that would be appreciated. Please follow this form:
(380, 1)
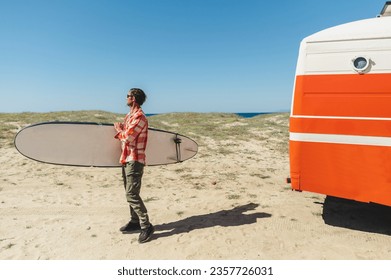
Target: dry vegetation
(205, 128)
(228, 202)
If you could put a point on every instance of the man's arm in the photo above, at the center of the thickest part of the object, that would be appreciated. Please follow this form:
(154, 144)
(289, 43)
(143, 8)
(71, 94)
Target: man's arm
(132, 131)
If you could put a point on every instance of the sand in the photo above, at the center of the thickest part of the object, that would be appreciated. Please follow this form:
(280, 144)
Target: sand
(222, 204)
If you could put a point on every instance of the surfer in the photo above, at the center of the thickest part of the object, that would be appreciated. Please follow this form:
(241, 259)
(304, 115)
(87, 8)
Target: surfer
(133, 134)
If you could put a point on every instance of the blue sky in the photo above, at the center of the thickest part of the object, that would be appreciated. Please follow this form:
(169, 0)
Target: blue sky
(188, 55)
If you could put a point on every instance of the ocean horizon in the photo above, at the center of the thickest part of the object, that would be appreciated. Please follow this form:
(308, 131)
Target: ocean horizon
(243, 115)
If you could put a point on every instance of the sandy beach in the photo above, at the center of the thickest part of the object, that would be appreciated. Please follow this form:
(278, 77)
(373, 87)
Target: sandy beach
(231, 201)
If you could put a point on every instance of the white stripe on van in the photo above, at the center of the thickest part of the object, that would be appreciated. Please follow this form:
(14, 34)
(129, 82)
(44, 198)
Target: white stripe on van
(340, 118)
(340, 139)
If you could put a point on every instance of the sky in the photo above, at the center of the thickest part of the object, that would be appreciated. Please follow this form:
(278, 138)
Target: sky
(187, 55)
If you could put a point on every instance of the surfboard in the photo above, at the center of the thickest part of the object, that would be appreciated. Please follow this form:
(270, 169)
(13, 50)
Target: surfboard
(93, 144)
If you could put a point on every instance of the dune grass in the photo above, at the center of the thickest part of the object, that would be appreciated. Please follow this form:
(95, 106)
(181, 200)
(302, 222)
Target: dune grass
(202, 127)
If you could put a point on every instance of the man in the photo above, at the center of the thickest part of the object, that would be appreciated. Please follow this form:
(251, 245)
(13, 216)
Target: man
(133, 134)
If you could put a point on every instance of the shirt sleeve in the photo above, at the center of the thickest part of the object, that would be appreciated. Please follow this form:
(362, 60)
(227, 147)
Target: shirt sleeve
(131, 129)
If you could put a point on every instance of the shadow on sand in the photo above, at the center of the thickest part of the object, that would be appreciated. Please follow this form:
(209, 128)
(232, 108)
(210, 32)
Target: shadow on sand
(368, 217)
(225, 218)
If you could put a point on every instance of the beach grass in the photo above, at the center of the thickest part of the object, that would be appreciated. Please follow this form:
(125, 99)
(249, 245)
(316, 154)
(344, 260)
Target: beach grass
(202, 127)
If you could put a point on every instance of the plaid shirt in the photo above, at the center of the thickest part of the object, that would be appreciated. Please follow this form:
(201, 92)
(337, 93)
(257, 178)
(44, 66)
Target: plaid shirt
(134, 136)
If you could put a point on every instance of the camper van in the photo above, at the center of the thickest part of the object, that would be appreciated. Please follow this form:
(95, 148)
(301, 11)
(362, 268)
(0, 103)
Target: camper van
(340, 122)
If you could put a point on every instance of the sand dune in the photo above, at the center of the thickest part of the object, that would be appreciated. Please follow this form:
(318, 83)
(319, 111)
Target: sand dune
(229, 202)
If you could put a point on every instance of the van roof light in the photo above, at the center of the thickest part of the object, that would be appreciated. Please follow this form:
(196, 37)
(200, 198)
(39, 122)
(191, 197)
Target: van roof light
(386, 12)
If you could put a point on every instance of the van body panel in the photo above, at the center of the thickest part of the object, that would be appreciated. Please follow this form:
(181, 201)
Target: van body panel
(340, 123)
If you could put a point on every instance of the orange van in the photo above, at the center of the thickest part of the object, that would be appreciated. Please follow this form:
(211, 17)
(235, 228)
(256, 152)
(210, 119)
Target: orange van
(340, 122)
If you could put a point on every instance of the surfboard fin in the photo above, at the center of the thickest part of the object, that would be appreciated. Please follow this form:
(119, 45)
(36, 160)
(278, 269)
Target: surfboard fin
(178, 142)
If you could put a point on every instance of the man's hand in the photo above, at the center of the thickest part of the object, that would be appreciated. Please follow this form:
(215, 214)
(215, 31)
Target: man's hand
(118, 126)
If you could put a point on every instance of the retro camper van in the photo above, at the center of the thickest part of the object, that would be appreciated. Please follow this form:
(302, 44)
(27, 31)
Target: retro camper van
(340, 122)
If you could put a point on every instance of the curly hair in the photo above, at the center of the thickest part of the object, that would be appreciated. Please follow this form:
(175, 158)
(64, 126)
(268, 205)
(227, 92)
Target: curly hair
(139, 95)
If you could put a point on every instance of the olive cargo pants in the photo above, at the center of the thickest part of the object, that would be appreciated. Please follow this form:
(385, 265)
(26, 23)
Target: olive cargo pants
(132, 173)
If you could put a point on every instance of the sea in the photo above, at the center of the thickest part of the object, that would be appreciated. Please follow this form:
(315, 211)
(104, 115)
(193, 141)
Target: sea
(250, 115)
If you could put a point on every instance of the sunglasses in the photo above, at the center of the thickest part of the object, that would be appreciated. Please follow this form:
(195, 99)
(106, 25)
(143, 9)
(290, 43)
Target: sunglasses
(129, 96)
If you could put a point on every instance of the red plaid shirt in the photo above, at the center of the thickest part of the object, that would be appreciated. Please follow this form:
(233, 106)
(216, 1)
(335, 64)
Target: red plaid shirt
(134, 136)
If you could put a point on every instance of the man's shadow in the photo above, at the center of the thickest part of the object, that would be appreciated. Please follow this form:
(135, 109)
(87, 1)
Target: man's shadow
(368, 217)
(225, 218)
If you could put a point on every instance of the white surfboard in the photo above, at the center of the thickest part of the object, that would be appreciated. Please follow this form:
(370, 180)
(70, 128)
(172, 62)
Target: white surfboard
(93, 144)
